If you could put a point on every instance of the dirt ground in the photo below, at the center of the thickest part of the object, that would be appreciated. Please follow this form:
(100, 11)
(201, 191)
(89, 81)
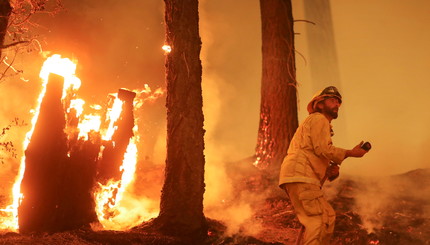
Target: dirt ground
(401, 217)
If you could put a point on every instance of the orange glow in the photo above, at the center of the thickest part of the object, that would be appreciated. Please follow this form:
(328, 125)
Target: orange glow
(117, 207)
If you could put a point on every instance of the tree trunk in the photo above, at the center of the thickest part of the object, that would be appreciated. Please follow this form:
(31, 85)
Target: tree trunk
(45, 159)
(278, 111)
(322, 46)
(5, 11)
(181, 205)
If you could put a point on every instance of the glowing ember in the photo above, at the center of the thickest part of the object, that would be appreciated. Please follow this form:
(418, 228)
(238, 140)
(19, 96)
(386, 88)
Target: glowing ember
(167, 49)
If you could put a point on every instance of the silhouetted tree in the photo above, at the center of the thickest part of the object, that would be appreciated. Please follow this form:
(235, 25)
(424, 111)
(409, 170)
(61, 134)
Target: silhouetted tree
(278, 111)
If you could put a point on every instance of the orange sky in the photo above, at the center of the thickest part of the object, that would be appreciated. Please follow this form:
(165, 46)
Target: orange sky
(381, 46)
(383, 54)
(382, 50)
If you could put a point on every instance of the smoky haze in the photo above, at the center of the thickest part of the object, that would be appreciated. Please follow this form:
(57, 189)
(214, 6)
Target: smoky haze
(382, 54)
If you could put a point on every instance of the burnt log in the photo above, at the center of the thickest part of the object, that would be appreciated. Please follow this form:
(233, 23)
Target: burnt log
(60, 170)
(77, 205)
(114, 150)
(45, 158)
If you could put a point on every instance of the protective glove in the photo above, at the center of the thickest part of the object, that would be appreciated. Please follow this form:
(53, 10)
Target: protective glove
(332, 171)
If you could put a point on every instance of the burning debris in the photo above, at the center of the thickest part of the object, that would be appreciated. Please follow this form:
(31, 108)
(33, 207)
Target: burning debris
(400, 216)
(76, 167)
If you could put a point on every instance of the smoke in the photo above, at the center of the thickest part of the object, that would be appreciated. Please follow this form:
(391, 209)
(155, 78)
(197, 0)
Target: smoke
(231, 60)
(395, 201)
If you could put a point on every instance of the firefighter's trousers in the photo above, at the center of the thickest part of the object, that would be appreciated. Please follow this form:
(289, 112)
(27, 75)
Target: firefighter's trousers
(313, 211)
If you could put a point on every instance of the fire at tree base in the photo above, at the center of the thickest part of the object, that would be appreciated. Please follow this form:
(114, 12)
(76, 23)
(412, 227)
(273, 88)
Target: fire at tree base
(62, 169)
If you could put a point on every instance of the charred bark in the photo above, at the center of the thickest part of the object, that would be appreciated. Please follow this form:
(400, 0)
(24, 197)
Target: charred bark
(278, 109)
(77, 206)
(46, 156)
(113, 154)
(60, 170)
(181, 206)
(5, 11)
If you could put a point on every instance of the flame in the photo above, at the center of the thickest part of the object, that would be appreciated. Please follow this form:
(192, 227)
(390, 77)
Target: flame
(112, 116)
(89, 123)
(167, 49)
(146, 95)
(78, 105)
(63, 67)
(116, 207)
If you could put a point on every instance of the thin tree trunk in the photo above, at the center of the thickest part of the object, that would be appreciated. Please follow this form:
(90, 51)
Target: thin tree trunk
(322, 46)
(278, 112)
(181, 206)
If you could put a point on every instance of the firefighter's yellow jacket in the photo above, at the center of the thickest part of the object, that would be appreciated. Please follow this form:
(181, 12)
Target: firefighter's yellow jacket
(310, 152)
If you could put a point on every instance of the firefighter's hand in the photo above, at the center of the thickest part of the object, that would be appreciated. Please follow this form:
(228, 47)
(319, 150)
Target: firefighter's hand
(357, 151)
(332, 172)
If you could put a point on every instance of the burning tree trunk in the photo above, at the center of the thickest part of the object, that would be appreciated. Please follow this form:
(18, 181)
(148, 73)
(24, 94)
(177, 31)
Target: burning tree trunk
(5, 11)
(181, 207)
(278, 112)
(60, 170)
(113, 154)
(46, 155)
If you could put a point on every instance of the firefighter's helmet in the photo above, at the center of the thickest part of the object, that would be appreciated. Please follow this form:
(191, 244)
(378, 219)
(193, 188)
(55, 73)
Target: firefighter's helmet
(328, 92)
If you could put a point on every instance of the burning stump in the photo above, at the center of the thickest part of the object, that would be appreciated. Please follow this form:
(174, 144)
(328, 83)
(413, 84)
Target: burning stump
(61, 169)
(46, 156)
(113, 153)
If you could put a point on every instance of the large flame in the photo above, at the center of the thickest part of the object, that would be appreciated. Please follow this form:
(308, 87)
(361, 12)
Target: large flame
(117, 207)
(113, 210)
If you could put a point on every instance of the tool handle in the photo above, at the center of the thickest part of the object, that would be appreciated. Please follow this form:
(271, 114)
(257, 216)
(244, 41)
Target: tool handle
(366, 146)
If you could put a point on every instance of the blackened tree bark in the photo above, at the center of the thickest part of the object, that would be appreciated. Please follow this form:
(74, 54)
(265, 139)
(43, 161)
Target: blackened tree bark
(45, 159)
(181, 205)
(5, 11)
(278, 111)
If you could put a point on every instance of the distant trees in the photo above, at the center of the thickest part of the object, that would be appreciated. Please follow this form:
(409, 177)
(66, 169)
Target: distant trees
(278, 110)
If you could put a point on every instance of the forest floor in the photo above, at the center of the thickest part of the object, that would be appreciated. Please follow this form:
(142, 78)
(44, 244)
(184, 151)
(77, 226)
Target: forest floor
(390, 210)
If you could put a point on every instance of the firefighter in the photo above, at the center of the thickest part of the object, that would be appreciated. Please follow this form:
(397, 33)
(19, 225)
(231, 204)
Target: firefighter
(307, 164)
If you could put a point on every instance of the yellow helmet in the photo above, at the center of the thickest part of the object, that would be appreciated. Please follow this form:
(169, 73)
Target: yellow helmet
(328, 92)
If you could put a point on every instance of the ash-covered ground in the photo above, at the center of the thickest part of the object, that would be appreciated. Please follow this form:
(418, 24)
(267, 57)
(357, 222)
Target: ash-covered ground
(390, 210)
